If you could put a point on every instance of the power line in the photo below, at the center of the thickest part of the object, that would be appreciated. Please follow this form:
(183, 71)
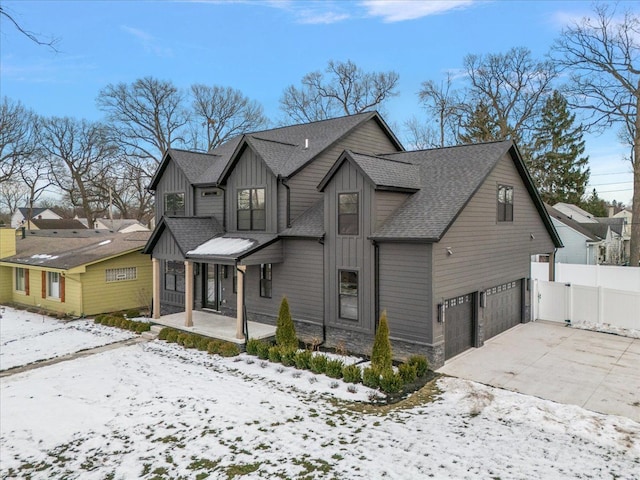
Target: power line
(608, 173)
(603, 184)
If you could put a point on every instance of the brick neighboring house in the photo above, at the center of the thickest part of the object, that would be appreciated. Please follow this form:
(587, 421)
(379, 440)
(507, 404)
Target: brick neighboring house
(338, 218)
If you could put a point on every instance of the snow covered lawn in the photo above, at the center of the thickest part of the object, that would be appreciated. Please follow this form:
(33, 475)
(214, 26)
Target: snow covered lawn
(28, 337)
(156, 410)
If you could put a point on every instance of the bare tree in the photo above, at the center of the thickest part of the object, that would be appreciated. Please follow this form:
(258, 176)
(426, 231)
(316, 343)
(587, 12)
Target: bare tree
(224, 113)
(37, 178)
(79, 152)
(34, 37)
(602, 56)
(513, 86)
(347, 90)
(13, 194)
(442, 102)
(420, 135)
(18, 131)
(146, 116)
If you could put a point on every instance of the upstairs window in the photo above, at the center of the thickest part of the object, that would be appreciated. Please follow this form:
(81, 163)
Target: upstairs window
(265, 280)
(251, 209)
(174, 204)
(348, 214)
(505, 203)
(348, 294)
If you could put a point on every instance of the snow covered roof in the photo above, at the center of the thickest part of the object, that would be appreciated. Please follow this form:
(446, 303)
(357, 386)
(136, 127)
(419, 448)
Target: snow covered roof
(223, 246)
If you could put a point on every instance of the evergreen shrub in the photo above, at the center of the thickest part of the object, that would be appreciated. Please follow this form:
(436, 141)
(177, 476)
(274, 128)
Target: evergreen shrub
(407, 372)
(334, 368)
(351, 374)
(381, 356)
(391, 382)
(252, 346)
(318, 363)
(285, 329)
(303, 359)
(371, 377)
(228, 349)
(421, 363)
(263, 350)
(274, 354)
(287, 357)
(172, 336)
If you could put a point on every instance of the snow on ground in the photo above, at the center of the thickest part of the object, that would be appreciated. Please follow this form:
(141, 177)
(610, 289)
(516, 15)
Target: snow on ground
(607, 328)
(156, 410)
(28, 337)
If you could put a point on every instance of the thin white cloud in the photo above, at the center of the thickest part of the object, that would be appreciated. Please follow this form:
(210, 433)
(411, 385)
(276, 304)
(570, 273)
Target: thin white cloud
(148, 41)
(401, 10)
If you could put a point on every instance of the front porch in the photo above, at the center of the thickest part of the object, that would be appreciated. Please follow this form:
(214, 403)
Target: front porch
(215, 326)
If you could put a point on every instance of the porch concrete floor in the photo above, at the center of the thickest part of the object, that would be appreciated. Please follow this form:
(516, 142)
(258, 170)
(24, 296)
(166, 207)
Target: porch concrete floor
(214, 325)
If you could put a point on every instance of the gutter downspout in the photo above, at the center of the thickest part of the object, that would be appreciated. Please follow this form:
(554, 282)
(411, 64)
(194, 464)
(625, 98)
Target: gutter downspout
(376, 280)
(284, 183)
(224, 208)
(324, 308)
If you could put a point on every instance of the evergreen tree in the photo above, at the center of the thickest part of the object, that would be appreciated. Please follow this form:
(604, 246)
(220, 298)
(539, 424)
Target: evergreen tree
(285, 329)
(381, 356)
(557, 167)
(480, 126)
(595, 205)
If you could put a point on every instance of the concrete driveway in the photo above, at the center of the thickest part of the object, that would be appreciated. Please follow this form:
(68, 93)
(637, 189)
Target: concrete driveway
(597, 371)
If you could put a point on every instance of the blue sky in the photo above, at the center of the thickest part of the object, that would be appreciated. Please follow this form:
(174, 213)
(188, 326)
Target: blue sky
(261, 47)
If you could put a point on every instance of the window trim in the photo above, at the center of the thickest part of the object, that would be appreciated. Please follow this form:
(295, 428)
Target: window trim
(504, 212)
(350, 295)
(252, 209)
(266, 280)
(50, 282)
(342, 215)
(24, 280)
(175, 213)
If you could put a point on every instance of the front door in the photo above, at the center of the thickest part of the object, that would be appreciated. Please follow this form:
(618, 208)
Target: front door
(212, 287)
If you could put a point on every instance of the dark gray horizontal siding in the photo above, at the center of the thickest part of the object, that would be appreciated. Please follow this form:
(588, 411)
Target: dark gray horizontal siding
(269, 254)
(404, 273)
(368, 138)
(385, 204)
(485, 251)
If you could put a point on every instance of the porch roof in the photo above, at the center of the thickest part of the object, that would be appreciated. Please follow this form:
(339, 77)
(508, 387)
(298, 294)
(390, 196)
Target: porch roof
(231, 247)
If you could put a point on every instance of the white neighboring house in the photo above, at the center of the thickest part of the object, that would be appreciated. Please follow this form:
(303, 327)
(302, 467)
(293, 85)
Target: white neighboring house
(580, 245)
(626, 231)
(575, 213)
(19, 217)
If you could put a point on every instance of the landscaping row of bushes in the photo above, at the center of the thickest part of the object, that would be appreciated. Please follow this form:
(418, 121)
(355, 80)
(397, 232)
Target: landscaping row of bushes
(193, 340)
(119, 320)
(380, 374)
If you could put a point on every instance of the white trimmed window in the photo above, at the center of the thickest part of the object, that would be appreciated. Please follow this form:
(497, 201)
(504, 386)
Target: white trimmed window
(53, 284)
(121, 274)
(21, 283)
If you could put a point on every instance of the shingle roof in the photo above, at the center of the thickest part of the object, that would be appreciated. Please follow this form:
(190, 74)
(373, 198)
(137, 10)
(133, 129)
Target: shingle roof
(448, 179)
(578, 227)
(36, 211)
(285, 150)
(616, 223)
(74, 249)
(189, 232)
(310, 224)
(58, 224)
(253, 242)
(196, 166)
(598, 229)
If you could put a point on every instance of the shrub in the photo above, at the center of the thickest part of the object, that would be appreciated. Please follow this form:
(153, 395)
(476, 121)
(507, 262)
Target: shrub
(285, 330)
(381, 356)
(274, 354)
(203, 344)
(228, 349)
(421, 363)
(303, 359)
(214, 346)
(172, 336)
(334, 368)
(391, 382)
(287, 357)
(407, 373)
(263, 350)
(252, 346)
(132, 313)
(371, 377)
(100, 319)
(164, 332)
(351, 374)
(188, 340)
(318, 364)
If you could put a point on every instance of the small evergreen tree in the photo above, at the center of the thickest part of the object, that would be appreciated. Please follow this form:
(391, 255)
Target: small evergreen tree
(480, 126)
(285, 330)
(594, 205)
(557, 167)
(381, 356)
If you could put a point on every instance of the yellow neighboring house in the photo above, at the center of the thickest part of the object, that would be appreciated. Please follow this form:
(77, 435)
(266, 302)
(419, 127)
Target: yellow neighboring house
(82, 272)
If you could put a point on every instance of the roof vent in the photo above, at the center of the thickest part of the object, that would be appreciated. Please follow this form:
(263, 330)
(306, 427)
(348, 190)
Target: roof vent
(306, 143)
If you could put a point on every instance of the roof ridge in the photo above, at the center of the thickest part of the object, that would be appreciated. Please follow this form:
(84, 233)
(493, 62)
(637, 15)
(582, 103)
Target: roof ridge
(371, 112)
(449, 147)
(381, 156)
(270, 140)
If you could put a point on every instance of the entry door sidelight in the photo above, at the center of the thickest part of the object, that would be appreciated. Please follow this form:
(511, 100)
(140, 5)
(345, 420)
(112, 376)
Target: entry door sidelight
(212, 287)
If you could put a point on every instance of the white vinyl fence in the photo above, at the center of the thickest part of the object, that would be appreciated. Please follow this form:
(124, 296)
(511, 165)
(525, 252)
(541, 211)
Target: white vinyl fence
(607, 276)
(567, 302)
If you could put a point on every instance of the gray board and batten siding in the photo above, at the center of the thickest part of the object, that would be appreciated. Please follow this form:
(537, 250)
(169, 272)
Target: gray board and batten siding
(173, 181)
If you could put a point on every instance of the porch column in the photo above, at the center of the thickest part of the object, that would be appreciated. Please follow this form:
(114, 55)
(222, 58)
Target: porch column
(155, 264)
(240, 297)
(188, 293)
(552, 266)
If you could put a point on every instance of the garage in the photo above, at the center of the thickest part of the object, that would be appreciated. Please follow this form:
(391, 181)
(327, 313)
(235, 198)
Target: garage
(503, 309)
(459, 325)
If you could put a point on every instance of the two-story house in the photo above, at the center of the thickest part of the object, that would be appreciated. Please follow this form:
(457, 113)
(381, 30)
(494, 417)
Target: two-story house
(338, 218)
